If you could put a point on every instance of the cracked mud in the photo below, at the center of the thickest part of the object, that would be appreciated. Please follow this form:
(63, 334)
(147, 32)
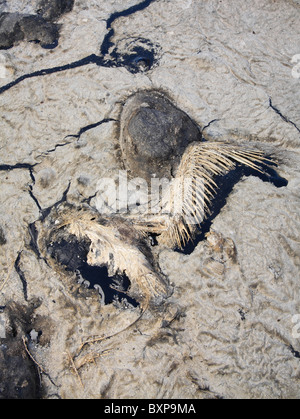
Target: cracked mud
(227, 330)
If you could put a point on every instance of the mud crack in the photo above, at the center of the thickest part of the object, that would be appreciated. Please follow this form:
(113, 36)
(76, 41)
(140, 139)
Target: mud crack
(282, 116)
(8, 167)
(127, 12)
(21, 275)
(77, 136)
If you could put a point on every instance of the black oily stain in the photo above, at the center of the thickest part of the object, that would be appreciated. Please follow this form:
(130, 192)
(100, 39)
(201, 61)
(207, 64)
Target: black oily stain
(242, 314)
(72, 255)
(136, 55)
(295, 353)
(2, 237)
(114, 288)
(225, 186)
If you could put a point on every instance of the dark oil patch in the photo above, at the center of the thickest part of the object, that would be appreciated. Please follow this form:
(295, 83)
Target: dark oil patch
(2, 237)
(295, 353)
(114, 288)
(135, 54)
(71, 253)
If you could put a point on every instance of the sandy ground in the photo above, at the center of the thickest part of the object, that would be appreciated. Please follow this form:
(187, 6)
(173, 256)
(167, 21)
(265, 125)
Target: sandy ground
(230, 330)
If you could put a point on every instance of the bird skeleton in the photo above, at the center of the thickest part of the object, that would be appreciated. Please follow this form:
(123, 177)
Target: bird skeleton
(194, 188)
(110, 246)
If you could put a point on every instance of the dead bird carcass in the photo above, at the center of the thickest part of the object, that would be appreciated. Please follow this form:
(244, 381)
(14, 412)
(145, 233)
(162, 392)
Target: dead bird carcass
(112, 242)
(157, 140)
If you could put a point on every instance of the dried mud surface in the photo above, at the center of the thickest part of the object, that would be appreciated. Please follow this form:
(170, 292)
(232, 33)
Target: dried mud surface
(227, 331)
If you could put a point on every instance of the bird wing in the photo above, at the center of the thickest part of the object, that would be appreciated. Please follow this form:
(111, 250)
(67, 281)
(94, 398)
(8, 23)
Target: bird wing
(187, 201)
